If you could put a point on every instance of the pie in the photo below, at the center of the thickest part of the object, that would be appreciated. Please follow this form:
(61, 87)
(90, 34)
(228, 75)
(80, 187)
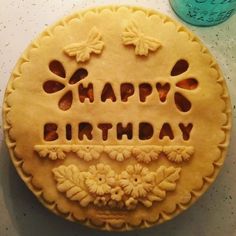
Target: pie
(117, 117)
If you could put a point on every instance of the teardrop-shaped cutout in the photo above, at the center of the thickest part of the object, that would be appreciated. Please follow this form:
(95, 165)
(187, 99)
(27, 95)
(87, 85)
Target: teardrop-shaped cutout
(189, 84)
(163, 90)
(52, 86)
(78, 75)
(180, 67)
(182, 103)
(66, 101)
(57, 68)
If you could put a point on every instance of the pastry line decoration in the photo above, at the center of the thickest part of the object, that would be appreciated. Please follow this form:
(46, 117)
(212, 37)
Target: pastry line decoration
(144, 153)
(133, 35)
(102, 186)
(81, 51)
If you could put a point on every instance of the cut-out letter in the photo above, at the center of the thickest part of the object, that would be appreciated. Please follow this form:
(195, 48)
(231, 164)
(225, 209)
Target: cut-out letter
(163, 90)
(126, 90)
(105, 127)
(50, 132)
(145, 90)
(186, 129)
(166, 131)
(68, 132)
(108, 93)
(145, 131)
(128, 130)
(86, 92)
(85, 129)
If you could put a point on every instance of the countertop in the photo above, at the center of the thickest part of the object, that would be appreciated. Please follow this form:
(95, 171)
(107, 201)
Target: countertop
(20, 212)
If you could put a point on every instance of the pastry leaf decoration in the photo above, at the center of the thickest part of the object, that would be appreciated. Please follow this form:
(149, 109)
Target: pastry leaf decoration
(102, 186)
(70, 181)
(81, 51)
(132, 35)
(166, 178)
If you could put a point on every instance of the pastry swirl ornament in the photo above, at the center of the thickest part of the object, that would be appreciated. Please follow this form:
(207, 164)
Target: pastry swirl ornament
(127, 124)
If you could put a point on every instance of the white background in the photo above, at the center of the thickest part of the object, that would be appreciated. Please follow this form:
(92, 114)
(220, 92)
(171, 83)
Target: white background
(22, 215)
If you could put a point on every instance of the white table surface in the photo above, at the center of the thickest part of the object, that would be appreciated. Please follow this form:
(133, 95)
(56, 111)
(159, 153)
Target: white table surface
(22, 215)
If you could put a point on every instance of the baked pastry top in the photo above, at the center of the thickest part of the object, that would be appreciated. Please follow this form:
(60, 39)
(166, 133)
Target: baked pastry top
(117, 117)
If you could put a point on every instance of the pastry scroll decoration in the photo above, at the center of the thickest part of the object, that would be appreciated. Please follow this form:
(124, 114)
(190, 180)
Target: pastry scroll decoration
(102, 186)
(133, 35)
(81, 51)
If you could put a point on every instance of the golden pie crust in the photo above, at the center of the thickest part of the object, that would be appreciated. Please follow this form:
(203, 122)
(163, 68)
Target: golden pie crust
(117, 117)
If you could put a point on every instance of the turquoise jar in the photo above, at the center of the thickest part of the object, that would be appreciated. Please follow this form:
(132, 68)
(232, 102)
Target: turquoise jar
(204, 12)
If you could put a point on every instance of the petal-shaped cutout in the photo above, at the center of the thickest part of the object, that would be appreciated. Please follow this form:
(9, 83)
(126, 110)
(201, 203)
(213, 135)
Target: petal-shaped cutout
(52, 86)
(78, 75)
(57, 68)
(189, 84)
(180, 67)
(66, 101)
(182, 103)
(163, 90)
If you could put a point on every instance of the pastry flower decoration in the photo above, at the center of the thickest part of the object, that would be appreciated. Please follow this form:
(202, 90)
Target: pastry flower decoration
(119, 153)
(178, 154)
(87, 153)
(82, 50)
(100, 179)
(63, 84)
(52, 152)
(147, 153)
(132, 35)
(136, 181)
(102, 186)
